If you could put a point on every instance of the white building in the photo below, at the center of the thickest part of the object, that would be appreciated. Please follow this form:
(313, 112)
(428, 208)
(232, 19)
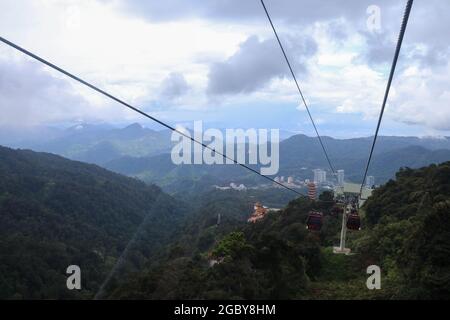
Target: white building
(290, 180)
(340, 177)
(320, 176)
(240, 187)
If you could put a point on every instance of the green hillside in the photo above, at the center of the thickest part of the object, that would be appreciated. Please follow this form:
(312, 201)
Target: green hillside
(406, 231)
(56, 212)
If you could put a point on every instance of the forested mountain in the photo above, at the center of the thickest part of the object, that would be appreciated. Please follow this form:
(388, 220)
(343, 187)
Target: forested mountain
(55, 212)
(358, 147)
(173, 178)
(406, 231)
(91, 143)
(295, 160)
(272, 259)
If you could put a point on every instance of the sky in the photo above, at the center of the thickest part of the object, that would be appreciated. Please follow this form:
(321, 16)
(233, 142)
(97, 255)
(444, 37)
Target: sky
(218, 61)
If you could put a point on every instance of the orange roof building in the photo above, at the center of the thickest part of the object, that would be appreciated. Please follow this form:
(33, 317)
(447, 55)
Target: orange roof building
(312, 190)
(259, 213)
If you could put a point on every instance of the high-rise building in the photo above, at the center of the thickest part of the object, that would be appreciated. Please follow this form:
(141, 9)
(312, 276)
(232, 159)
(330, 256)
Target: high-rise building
(316, 175)
(290, 180)
(340, 177)
(320, 176)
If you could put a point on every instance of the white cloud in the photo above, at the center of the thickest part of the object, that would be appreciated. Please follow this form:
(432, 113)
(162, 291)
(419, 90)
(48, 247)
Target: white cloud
(131, 55)
(29, 96)
(422, 96)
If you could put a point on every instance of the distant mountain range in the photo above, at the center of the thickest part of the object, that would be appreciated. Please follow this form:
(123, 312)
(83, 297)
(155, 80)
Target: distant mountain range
(145, 153)
(297, 160)
(390, 154)
(96, 144)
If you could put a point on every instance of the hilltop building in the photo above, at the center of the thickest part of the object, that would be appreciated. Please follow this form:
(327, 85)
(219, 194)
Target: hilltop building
(260, 212)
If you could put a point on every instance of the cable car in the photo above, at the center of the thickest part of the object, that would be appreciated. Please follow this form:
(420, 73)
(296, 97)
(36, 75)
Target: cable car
(314, 221)
(354, 221)
(336, 210)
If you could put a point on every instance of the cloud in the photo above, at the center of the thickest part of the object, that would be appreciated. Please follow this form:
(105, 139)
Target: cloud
(29, 95)
(225, 47)
(256, 63)
(380, 48)
(293, 12)
(422, 32)
(420, 98)
(174, 86)
(421, 28)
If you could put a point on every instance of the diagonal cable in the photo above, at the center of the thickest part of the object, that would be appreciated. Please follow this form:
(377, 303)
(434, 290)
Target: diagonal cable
(93, 87)
(388, 86)
(298, 88)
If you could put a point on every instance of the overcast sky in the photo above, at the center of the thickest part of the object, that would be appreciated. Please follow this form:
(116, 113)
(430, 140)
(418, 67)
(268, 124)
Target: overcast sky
(218, 60)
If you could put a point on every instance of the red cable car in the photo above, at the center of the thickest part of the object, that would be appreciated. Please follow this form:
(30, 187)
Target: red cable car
(336, 210)
(354, 221)
(314, 221)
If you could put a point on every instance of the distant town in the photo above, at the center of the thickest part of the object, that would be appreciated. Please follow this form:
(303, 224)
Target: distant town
(318, 177)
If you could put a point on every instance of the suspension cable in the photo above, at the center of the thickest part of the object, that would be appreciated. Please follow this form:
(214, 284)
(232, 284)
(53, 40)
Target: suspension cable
(70, 75)
(298, 88)
(388, 87)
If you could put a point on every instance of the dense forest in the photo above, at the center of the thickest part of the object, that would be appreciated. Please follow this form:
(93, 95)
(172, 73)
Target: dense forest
(132, 240)
(408, 223)
(406, 231)
(56, 212)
